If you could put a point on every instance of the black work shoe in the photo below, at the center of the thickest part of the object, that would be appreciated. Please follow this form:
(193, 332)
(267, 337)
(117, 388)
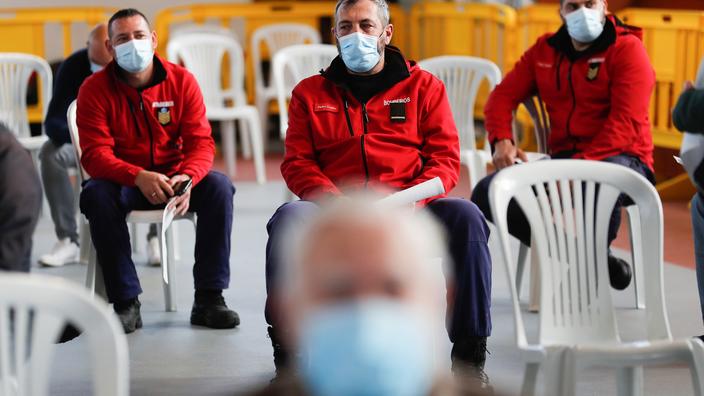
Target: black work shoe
(281, 355)
(468, 359)
(619, 273)
(128, 312)
(214, 313)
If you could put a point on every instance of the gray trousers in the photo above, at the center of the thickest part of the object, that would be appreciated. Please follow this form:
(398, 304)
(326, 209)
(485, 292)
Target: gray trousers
(55, 163)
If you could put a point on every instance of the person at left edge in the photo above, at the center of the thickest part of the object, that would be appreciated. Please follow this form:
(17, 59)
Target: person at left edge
(142, 130)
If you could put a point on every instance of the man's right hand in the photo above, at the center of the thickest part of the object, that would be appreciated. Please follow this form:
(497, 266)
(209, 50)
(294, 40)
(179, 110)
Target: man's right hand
(505, 154)
(154, 186)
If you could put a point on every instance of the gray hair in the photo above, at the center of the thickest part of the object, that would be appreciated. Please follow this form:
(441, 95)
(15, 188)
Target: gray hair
(381, 5)
(419, 231)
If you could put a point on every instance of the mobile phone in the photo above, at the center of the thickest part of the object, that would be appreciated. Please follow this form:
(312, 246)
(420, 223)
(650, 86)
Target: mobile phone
(182, 187)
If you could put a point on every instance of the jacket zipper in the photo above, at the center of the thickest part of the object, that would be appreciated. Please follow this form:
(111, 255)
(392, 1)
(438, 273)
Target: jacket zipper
(574, 102)
(149, 129)
(557, 72)
(134, 118)
(365, 120)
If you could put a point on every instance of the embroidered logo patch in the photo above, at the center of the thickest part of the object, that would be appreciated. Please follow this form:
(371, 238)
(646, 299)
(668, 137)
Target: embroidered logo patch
(593, 71)
(326, 107)
(163, 115)
(387, 102)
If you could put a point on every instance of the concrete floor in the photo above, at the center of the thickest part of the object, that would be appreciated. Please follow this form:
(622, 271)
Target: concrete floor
(169, 357)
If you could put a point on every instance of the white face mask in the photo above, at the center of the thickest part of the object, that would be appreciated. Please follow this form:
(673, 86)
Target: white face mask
(359, 51)
(585, 24)
(135, 55)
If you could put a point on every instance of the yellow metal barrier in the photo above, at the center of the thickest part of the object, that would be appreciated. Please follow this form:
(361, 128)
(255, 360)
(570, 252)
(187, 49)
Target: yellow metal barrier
(535, 21)
(675, 43)
(244, 19)
(25, 30)
(482, 30)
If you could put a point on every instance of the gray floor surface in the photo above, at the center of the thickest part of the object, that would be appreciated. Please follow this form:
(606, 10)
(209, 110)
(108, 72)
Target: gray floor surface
(169, 357)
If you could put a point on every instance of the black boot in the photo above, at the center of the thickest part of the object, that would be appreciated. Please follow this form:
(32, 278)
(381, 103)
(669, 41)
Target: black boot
(620, 273)
(468, 358)
(210, 310)
(281, 355)
(128, 312)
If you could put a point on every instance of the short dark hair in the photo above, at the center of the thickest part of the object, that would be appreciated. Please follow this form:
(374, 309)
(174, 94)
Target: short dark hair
(125, 13)
(382, 6)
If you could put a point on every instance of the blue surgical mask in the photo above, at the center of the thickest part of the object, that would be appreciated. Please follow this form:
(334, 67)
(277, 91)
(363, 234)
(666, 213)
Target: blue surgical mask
(94, 67)
(359, 51)
(135, 55)
(585, 24)
(374, 347)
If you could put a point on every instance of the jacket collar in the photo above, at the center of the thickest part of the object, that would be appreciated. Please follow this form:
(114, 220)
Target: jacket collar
(562, 42)
(395, 67)
(158, 77)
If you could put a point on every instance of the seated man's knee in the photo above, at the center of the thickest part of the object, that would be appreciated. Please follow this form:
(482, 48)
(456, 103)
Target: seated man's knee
(97, 195)
(220, 187)
(290, 212)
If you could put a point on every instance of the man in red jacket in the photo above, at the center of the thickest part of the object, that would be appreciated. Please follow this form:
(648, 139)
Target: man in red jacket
(373, 120)
(144, 133)
(596, 80)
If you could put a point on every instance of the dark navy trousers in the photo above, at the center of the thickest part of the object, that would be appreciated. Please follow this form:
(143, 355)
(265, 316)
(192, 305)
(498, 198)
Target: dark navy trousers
(106, 205)
(518, 223)
(468, 235)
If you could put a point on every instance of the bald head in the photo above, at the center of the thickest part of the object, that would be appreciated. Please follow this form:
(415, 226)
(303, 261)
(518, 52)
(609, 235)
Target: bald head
(97, 49)
(356, 250)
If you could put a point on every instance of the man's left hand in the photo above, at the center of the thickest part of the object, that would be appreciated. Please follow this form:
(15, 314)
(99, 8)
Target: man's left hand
(180, 203)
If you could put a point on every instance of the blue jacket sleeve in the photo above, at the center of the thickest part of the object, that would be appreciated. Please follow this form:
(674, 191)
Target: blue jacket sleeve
(71, 74)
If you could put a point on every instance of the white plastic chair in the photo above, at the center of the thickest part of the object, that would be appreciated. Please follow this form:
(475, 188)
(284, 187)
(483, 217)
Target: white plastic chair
(163, 218)
(33, 312)
(541, 122)
(568, 204)
(462, 76)
(15, 71)
(275, 37)
(202, 54)
(291, 65)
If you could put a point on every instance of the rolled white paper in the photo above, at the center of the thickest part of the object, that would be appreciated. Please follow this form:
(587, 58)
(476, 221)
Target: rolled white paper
(419, 192)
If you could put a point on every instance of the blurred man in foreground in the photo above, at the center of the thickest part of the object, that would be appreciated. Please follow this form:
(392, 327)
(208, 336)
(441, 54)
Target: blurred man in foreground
(363, 294)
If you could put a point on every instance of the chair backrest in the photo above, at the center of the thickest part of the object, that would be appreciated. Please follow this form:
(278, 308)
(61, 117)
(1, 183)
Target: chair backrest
(75, 139)
(33, 312)
(568, 204)
(202, 54)
(202, 28)
(462, 76)
(294, 63)
(275, 37)
(541, 122)
(15, 72)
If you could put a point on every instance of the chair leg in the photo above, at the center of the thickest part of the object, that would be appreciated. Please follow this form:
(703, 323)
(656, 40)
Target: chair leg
(255, 131)
(168, 269)
(630, 381)
(696, 366)
(84, 239)
(636, 255)
(534, 294)
(520, 266)
(246, 141)
(177, 247)
(530, 378)
(134, 239)
(227, 131)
